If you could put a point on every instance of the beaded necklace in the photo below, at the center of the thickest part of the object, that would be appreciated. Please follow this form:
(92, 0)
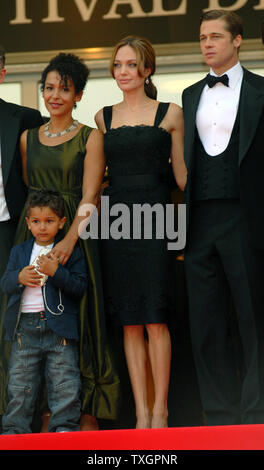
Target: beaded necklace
(59, 134)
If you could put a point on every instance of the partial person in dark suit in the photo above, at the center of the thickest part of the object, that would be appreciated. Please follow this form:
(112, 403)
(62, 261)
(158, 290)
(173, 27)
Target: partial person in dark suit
(14, 119)
(224, 130)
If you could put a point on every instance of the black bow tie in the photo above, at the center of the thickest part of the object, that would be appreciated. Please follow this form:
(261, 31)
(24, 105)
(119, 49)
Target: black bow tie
(211, 80)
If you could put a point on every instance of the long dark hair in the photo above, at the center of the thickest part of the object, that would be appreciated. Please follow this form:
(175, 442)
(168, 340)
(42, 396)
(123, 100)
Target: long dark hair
(146, 59)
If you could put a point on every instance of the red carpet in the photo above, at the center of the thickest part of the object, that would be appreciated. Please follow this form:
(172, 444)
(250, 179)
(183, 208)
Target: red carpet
(192, 438)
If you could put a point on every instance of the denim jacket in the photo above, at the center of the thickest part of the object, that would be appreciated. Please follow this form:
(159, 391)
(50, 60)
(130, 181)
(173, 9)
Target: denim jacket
(66, 287)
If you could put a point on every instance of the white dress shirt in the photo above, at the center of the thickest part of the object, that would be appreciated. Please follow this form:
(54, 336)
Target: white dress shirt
(4, 214)
(217, 110)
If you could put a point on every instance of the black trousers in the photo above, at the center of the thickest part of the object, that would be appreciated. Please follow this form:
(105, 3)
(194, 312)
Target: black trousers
(218, 276)
(7, 234)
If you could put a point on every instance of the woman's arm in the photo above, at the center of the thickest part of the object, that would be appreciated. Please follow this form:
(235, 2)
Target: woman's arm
(94, 167)
(99, 119)
(175, 125)
(23, 152)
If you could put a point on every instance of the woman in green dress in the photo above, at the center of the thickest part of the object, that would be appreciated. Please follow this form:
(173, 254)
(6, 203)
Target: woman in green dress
(68, 156)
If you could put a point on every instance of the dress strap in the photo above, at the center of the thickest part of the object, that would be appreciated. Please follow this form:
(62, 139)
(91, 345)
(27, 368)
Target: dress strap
(160, 114)
(108, 110)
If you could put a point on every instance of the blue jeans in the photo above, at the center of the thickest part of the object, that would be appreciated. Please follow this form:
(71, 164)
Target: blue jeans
(35, 350)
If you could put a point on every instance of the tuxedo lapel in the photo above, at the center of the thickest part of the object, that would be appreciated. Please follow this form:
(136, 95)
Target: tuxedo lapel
(25, 252)
(9, 131)
(251, 108)
(190, 109)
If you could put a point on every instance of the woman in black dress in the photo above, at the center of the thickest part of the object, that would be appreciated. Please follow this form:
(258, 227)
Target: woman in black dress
(141, 136)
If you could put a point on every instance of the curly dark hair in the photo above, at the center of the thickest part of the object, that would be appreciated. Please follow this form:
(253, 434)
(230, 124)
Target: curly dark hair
(45, 198)
(68, 66)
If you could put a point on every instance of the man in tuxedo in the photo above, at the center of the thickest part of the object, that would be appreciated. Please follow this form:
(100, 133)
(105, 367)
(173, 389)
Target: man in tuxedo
(14, 120)
(224, 132)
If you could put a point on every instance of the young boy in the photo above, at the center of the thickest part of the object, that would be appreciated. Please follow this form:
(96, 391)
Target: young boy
(42, 321)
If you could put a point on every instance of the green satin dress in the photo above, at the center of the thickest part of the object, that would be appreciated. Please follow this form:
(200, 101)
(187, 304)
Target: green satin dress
(60, 168)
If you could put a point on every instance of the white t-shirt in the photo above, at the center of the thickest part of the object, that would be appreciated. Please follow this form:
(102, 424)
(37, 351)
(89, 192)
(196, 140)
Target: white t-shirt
(32, 299)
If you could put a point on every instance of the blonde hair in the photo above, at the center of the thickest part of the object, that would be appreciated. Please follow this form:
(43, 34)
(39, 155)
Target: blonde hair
(146, 59)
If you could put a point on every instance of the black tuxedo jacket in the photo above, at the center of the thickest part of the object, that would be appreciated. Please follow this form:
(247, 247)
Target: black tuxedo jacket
(14, 119)
(251, 148)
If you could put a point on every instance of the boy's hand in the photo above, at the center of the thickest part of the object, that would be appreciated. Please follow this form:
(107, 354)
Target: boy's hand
(29, 277)
(48, 264)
